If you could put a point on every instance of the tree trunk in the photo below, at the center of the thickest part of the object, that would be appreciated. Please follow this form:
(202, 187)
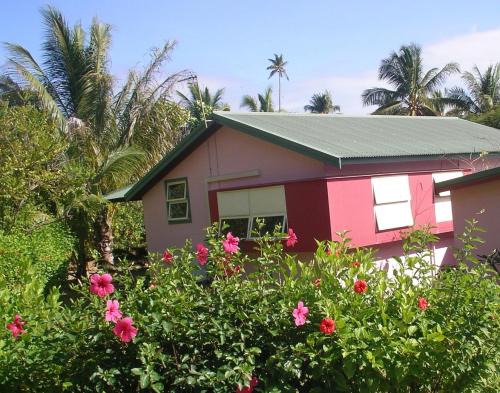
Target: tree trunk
(279, 93)
(105, 233)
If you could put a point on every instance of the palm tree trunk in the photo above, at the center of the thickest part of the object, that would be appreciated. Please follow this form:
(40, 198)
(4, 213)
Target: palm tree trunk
(105, 233)
(279, 93)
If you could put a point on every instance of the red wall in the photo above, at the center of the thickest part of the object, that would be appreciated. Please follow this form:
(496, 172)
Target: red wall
(308, 213)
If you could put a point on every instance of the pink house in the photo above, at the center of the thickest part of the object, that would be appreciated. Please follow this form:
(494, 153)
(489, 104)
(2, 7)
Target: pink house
(318, 174)
(476, 196)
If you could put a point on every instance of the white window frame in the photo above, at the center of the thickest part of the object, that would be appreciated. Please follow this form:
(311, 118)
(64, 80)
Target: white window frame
(400, 202)
(442, 200)
(255, 214)
(184, 199)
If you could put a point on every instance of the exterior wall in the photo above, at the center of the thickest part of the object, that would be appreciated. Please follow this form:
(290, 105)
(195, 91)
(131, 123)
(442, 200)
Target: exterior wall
(226, 152)
(352, 207)
(468, 202)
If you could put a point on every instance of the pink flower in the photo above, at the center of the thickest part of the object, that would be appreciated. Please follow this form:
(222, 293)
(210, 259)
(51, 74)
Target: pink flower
(101, 284)
(292, 238)
(231, 243)
(113, 313)
(16, 327)
(201, 254)
(124, 329)
(249, 389)
(167, 257)
(422, 303)
(360, 286)
(300, 314)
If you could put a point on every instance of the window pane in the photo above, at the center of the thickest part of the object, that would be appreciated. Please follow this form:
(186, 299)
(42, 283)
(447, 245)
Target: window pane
(176, 191)
(177, 210)
(237, 226)
(393, 215)
(269, 224)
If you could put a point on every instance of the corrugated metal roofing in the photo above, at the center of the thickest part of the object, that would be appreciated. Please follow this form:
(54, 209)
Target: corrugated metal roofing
(118, 195)
(371, 136)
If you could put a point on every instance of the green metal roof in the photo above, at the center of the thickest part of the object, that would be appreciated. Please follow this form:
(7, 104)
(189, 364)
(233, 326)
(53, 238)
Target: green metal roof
(347, 138)
(118, 195)
(481, 176)
(340, 140)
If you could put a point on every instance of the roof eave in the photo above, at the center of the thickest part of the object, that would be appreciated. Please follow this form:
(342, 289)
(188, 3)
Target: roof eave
(468, 180)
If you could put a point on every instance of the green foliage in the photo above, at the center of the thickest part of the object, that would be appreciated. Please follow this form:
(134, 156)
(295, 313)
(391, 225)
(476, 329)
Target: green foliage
(490, 118)
(128, 226)
(44, 252)
(33, 172)
(211, 329)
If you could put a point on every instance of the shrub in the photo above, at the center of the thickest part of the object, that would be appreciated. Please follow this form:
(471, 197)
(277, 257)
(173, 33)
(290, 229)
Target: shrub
(231, 323)
(128, 227)
(44, 253)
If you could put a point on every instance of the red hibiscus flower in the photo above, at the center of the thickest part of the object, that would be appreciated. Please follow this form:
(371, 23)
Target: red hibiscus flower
(360, 286)
(101, 284)
(124, 329)
(201, 254)
(292, 238)
(16, 326)
(248, 389)
(167, 257)
(327, 326)
(422, 303)
(317, 282)
(356, 264)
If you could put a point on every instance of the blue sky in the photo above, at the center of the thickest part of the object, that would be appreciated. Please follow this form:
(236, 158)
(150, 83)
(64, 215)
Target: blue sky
(335, 45)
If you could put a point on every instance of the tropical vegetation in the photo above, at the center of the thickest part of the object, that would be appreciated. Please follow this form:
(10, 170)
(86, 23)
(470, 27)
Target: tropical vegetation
(278, 67)
(263, 103)
(412, 87)
(322, 103)
(212, 319)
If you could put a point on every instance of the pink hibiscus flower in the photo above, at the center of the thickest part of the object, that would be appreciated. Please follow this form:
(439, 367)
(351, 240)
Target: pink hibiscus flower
(124, 329)
(422, 303)
(300, 314)
(113, 313)
(201, 254)
(16, 327)
(101, 284)
(231, 243)
(292, 239)
(167, 257)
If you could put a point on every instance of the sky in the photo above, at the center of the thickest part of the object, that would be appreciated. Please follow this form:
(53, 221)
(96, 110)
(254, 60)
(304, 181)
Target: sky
(333, 45)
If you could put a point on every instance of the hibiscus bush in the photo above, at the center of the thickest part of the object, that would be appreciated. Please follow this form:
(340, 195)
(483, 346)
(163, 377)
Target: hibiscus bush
(207, 318)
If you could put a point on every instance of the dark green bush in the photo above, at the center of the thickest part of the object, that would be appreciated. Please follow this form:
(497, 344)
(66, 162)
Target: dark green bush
(213, 333)
(128, 227)
(45, 252)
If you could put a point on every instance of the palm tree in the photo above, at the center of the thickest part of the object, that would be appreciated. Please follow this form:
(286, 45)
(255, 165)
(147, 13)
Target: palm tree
(483, 92)
(265, 102)
(278, 67)
(413, 87)
(74, 86)
(322, 103)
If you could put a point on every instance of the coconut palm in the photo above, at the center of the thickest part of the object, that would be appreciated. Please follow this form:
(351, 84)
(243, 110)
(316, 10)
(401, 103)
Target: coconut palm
(263, 103)
(74, 86)
(412, 86)
(481, 95)
(277, 66)
(322, 103)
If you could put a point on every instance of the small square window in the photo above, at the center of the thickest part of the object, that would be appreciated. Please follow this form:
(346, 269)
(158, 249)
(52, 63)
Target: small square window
(177, 201)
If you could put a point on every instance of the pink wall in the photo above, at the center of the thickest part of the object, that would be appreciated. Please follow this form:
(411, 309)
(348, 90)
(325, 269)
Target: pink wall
(226, 152)
(351, 207)
(468, 201)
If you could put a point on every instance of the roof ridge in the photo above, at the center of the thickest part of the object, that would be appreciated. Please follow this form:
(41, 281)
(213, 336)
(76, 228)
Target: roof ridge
(333, 115)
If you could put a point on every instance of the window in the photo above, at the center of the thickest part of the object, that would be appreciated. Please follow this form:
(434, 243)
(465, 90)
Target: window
(240, 209)
(392, 202)
(442, 200)
(177, 201)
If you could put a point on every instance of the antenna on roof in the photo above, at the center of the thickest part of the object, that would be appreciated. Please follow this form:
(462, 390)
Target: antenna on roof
(194, 78)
